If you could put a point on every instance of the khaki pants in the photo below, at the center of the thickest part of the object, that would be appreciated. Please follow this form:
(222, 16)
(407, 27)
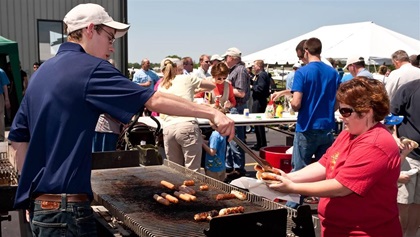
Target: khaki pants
(183, 144)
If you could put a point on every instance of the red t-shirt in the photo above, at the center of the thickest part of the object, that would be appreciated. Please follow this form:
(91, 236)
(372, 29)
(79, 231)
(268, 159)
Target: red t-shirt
(219, 91)
(369, 165)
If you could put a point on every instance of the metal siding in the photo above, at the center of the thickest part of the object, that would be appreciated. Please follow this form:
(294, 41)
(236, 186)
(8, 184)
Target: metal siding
(19, 19)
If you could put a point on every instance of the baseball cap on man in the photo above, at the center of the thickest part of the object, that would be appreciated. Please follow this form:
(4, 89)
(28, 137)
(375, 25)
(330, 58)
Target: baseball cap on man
(353, 59)
(216, 57)
(165, 61)
(234, 52)
(83, 15)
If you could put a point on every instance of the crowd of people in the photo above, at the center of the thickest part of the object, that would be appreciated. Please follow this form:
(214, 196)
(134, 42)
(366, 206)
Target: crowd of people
(354, 175)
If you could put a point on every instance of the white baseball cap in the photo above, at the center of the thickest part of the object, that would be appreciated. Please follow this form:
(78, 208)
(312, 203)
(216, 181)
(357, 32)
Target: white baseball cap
(353, 59)
(297, 65)
(234, 52)
(216, 57)
(83, 15)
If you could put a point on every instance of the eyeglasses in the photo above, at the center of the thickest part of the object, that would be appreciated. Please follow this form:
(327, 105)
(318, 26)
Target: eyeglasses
(346, 112)
(221, 78)
(111, 37)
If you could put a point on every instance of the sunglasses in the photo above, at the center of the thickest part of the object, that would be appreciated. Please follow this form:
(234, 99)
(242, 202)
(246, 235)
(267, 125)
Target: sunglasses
(346, 112)
(207, 61)
(221, 78)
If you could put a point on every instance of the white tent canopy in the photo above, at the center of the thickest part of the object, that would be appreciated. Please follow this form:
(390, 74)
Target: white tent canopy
(366, 39)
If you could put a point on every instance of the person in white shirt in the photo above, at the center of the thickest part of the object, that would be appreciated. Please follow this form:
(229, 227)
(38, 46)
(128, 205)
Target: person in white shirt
(403, 73)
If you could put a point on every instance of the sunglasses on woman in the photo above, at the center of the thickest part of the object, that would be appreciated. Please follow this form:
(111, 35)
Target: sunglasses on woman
(345, 112)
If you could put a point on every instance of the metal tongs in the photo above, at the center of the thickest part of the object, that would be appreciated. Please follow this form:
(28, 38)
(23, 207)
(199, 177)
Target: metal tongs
(267, 167)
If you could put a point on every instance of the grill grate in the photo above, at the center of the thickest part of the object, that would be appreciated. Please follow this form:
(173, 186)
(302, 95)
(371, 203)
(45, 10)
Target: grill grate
(127, 194)
(8, 174)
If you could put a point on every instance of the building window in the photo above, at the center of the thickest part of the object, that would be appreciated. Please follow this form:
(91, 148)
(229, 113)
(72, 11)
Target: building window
(50, 37)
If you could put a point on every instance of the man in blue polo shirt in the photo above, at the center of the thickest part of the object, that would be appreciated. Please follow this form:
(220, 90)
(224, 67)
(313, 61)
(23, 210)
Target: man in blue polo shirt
(57, 119)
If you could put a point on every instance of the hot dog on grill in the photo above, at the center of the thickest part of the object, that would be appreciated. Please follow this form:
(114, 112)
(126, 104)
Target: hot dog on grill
(186, 189)
(170, 197)
(239, 195)
(182, 196)
(167, 184)
(189, 182)
(161, 200)
(231, 210)
(225, 196)
(204, 187)
(206, 215)
(192, 197)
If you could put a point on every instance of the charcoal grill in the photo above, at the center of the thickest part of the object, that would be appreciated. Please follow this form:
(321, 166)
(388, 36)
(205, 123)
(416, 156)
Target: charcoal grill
(8, 183)
(128, 195)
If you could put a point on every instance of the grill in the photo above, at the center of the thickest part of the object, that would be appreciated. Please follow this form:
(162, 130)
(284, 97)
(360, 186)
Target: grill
(8, 181)
(128, 195)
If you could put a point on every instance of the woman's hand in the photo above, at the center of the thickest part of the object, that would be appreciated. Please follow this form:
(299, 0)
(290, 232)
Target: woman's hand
(284, 186)
(403, 178)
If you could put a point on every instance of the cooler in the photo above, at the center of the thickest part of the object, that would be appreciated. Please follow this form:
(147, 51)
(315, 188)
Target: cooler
(277, 157)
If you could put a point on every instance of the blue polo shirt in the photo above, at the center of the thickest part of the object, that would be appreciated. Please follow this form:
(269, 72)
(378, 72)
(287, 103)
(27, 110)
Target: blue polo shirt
(58, 116)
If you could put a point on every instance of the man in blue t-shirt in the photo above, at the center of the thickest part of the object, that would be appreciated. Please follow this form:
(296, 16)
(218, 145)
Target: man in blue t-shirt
(58, 115)
(314, 89)
(145, 76)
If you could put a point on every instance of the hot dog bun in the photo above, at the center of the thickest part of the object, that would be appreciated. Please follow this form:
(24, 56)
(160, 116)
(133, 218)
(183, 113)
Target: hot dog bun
(408, 141)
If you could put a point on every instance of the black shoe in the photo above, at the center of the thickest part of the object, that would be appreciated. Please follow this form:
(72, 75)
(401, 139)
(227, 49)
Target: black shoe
(255, 148)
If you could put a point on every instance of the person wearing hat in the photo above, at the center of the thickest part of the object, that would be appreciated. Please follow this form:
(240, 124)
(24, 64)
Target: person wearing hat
(240, 80)
(58, 115)
(291, 75)
(215, 59)
(356, 66)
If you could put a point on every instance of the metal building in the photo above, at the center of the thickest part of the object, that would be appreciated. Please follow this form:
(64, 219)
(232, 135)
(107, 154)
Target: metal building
(37, 27)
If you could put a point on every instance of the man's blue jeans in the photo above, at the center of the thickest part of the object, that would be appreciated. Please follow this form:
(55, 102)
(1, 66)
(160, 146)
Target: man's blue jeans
(62, 219)
(235, 156)
(305, 145)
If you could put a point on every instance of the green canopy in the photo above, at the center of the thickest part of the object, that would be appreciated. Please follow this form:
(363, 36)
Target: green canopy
(9, 47)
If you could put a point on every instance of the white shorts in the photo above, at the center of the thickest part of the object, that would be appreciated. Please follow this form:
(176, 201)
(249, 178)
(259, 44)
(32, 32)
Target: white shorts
(409, 193)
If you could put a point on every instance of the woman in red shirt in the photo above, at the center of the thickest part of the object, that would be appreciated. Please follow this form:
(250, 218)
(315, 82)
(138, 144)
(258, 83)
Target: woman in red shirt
(357, 176)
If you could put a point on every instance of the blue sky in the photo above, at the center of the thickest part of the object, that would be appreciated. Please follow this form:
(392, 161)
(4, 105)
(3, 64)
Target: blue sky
(192, 27)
